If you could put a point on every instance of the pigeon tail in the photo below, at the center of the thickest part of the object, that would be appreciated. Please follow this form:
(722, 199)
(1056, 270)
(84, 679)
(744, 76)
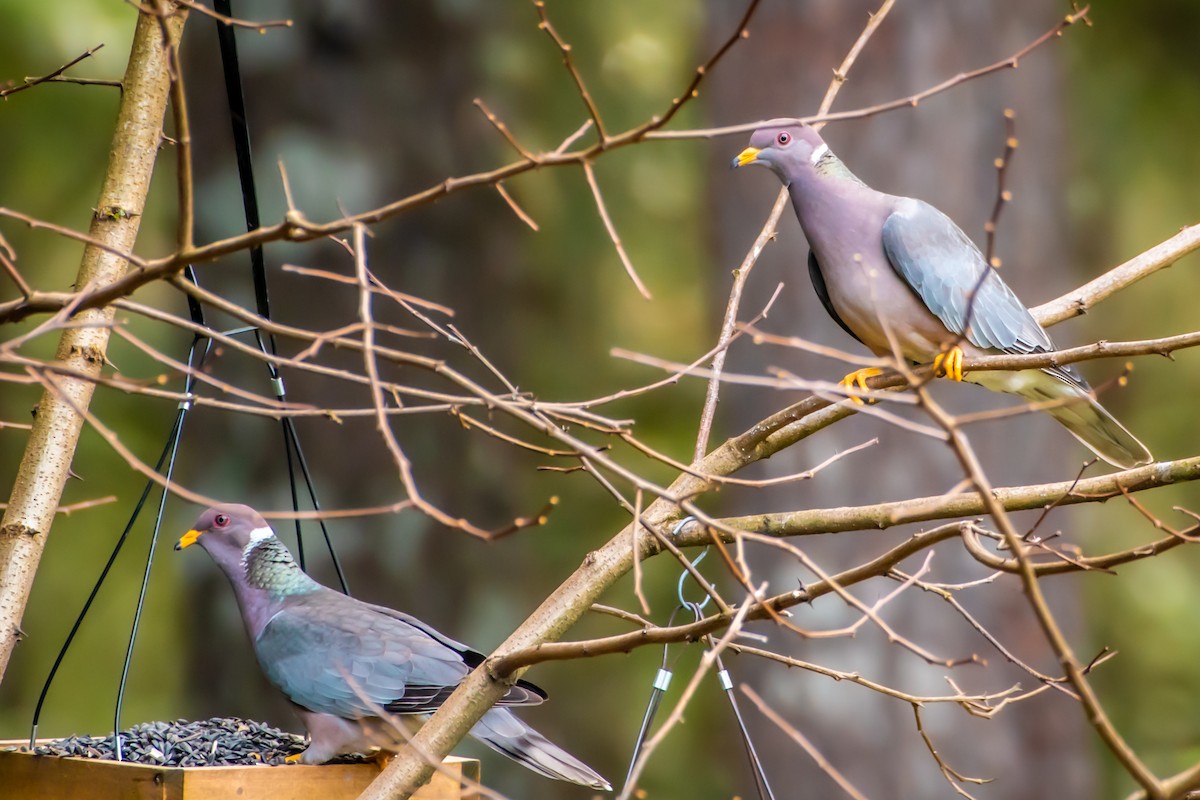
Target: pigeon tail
(502, 731)
(1085, 418)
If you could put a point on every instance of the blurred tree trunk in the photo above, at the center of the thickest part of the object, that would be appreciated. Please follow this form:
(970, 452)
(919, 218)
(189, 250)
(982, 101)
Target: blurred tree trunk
(942, 152)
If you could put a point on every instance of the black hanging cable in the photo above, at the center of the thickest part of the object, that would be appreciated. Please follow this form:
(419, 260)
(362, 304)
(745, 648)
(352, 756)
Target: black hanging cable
(760, 774)
(177, 433)
(662, 678)
(308, 481)
(241, 142)
(87, 605)
(241, 146)
(197, 316)
(662, 681)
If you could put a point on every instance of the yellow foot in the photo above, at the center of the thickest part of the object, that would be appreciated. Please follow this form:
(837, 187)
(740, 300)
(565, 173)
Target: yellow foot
(293, 758)
(858, 380)
(949, 363)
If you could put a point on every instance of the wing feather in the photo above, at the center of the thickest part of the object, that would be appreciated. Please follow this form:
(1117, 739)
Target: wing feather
(332, 654)
(949, 274)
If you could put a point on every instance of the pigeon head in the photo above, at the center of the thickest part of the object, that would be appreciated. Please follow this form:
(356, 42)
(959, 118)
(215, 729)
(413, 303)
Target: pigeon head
(231, 527)
(229, 533)
(787, 147)
(247, 551)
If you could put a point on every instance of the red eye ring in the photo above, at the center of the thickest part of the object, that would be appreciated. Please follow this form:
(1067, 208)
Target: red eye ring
(783, 139)
(221, 520)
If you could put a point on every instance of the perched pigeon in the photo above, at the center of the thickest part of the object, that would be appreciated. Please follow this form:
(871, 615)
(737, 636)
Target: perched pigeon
(888, 267)
(340, 660)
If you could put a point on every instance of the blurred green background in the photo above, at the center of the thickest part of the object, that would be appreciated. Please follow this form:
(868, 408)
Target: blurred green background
(367, 102)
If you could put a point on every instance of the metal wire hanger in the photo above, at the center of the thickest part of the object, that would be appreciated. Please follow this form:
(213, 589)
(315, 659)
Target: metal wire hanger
(195, 359)
(662, 682)
(226, 38)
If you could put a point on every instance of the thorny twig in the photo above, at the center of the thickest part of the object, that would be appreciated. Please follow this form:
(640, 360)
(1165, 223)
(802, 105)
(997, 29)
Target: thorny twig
(1003, 195)
(29, 83)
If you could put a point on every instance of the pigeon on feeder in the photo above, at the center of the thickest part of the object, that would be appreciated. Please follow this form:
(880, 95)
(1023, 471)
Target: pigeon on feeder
(899, 276)
(341, 661)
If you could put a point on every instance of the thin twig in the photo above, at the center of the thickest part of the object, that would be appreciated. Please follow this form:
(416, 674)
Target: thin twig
(800, 739)
(635, 532)
(740, 276)
(952, 776)
(912, 101)
(612, 230)
(516, 209)
(569, 62)
(499, 125)
(8, 257)
(1003, 195)
(29, 83)
(234, 22)
(842, 72)
(184, 179)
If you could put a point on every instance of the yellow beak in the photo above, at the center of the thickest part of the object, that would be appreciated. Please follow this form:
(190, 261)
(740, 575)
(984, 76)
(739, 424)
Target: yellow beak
(188, 539)
(747, 156)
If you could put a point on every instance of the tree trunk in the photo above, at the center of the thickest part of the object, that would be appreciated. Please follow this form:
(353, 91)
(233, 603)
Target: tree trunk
(46, 462)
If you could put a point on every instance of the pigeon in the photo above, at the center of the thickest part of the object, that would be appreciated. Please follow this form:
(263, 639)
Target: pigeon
(343, 663)
(899, 276)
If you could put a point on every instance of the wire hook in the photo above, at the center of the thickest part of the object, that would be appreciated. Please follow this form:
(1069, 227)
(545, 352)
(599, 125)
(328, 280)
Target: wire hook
(683, 601)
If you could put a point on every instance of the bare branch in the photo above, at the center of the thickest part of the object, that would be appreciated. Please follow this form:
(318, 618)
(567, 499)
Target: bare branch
(612, 230)
(29, 83)
(569, 63)
(1095, 712)
(800, 739)
(740, 276)
(1081, 300)
(843, 71)
(503, 130)
(1003, 195)
(234, 22)
(912, 101)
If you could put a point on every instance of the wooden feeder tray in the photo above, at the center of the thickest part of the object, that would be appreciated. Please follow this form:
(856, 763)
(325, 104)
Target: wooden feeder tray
(26, 775)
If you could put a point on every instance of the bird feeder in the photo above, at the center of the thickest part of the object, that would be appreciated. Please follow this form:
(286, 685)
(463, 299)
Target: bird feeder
(25, 774)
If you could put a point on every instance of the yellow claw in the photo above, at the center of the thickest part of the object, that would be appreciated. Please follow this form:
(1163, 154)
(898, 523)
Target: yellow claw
(858, 380)
(293, 758)
(949, 363)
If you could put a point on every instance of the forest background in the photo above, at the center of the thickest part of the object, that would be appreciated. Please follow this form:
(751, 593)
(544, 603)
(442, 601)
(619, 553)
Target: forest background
(367, 102)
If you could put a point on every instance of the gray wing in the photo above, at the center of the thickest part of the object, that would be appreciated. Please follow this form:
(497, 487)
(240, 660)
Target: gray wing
(945, 268)
(335, 655)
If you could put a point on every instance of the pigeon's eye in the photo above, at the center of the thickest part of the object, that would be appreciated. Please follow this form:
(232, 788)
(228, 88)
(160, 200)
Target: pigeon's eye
(783, 139)
(222, 520)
